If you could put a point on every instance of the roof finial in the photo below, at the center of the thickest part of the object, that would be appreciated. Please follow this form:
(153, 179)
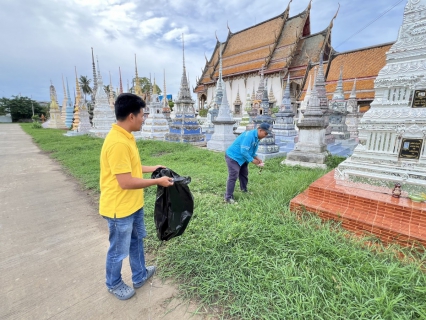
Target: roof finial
(216, 36)
(227, 25)
(335, 16)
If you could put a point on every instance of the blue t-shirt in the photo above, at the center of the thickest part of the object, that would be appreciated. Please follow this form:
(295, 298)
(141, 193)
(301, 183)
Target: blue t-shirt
(244, 147)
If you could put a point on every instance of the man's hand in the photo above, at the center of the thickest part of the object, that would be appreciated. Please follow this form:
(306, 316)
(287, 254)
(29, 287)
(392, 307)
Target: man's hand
(257, 161)
(164, 181)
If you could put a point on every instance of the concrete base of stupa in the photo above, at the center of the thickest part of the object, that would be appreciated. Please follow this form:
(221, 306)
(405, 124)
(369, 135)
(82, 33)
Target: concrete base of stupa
(365, 212)
(267, 156)
(98, 133)
(72, 133)
(222, 137)
(306, 159)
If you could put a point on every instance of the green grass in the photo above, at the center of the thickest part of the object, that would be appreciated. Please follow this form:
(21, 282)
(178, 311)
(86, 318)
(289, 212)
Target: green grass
(255, 259)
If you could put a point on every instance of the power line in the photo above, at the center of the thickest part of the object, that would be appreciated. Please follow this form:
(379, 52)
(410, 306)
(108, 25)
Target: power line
(370, 23)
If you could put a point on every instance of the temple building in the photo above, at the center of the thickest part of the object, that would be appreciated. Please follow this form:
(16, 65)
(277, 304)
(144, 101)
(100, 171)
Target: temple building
(281, 45)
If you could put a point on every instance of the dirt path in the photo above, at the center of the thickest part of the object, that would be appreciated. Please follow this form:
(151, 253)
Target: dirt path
(53, 246)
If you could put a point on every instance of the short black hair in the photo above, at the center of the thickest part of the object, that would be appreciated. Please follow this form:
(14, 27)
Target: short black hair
(127, 103)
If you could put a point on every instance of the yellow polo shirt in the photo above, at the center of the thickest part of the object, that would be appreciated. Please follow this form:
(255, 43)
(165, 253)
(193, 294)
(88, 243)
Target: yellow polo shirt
(119, 154)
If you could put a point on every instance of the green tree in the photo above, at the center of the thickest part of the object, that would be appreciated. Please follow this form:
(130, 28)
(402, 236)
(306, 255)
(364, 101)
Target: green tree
(84, 82)
(145, 85)
(21, 108)
(171, 104)
(107, 90)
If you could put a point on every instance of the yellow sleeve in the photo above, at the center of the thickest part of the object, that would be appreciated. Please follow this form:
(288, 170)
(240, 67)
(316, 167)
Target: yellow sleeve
(119, 161)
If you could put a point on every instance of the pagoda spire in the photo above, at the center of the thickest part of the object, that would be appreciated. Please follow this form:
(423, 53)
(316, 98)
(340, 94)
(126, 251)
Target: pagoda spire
(64, 102)
(68, 93)
(121, 82)
(353, 92)
(69, 110)
(286, 102)
(238, 99)
(219, 85)
(99, 71)
(313, 110)
(165, 101)
(320, 85)
(184, 93)
(77, 86)
(260, 89)
(339, 94)
(137, 86)
(253, 94)
(95, 80)
(154, 87)
(111, 93)
(77, 103)
(271, 96)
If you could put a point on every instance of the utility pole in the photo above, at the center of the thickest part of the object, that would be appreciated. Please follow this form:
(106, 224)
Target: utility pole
(32, 107)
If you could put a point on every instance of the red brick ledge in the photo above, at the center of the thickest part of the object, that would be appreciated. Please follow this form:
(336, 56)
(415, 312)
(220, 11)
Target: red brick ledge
(390, 219)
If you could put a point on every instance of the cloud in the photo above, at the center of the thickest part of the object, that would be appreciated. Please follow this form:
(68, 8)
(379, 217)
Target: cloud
(48, 38)
(151, 26)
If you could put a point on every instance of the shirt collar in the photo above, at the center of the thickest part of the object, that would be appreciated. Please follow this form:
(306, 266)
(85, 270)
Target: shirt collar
(121, 130)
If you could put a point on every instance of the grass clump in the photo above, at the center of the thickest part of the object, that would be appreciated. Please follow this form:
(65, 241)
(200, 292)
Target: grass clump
(256, 259)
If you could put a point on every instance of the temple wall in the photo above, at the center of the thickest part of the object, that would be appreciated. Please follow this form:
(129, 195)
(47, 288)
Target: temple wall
(247, 87)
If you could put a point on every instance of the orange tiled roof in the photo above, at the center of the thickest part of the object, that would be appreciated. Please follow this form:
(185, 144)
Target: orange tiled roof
(312, 46)
(299, 73)
(287, 42)
(362, 85)
(362, 64)
(247, 50)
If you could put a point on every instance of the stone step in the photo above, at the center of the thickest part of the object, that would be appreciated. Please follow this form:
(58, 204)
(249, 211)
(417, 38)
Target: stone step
(365, 212)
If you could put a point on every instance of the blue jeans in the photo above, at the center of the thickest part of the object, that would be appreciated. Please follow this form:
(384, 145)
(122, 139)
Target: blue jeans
(235, 171)
(126, 239)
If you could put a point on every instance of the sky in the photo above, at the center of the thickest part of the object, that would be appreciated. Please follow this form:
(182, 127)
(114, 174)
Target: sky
(43, 40)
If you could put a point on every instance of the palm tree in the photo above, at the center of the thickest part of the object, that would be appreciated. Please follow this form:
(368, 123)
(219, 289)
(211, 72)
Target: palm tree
(85, 86)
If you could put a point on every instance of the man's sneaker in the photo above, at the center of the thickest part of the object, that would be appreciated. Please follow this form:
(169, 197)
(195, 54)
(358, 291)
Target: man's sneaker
(244, 191)
(149, 273)
(230, 201)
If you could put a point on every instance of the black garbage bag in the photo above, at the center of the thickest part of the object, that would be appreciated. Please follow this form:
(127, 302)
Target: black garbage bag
(174, 205)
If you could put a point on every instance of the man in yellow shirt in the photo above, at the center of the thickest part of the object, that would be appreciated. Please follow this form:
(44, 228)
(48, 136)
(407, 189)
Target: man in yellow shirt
(122, 200)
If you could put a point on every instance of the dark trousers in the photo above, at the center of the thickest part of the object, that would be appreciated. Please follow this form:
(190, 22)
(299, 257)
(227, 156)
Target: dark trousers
(235, 171)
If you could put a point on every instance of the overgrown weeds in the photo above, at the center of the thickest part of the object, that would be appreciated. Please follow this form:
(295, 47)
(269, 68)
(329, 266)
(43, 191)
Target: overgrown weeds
(255, 259)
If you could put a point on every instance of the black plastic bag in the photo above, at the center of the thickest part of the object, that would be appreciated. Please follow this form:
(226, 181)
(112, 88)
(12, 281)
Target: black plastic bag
(174, 205)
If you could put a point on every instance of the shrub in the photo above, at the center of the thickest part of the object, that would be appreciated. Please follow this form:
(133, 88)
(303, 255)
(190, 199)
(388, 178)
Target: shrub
(202, 112)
